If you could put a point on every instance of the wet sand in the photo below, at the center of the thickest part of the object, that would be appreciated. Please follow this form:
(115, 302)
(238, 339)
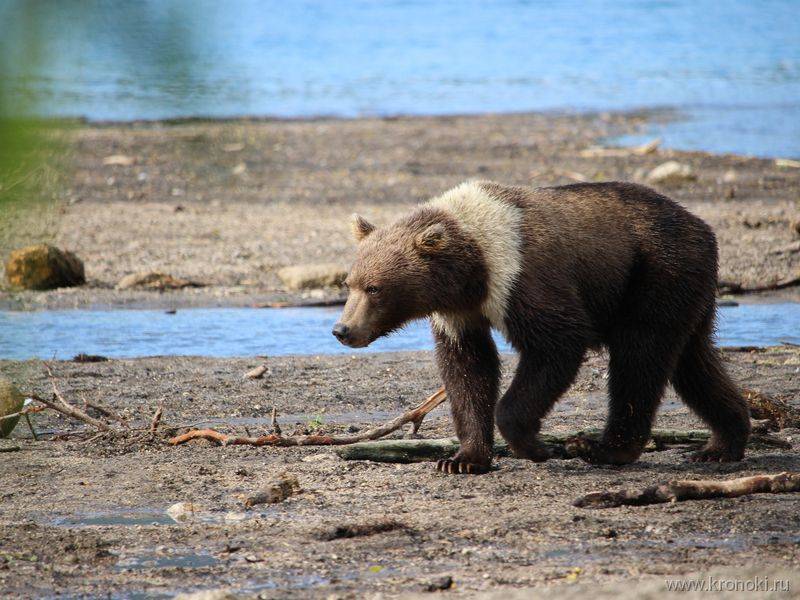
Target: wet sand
(229, 203)
(77, 517)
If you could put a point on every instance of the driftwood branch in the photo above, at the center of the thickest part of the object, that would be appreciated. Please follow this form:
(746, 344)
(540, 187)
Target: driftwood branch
(414, 416)
(734, 287)
(407, 451)
(678, 491)
(58, 403)
(154, 422)
(778, 413)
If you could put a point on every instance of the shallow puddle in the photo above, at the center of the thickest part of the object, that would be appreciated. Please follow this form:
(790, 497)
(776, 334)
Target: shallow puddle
(252, 331)
(181, 560)
(115, 518)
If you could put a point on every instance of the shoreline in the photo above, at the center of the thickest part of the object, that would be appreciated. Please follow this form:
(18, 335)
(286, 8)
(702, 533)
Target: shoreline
(228, 203)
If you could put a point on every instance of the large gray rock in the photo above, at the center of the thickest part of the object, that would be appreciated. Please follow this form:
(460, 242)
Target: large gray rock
(671, 173)
(299, 277)
(44, 267)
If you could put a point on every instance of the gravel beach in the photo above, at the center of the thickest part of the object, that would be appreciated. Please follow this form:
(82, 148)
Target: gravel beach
(229, 203)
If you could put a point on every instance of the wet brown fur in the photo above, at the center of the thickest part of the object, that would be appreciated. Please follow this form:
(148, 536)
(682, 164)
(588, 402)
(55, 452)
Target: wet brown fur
(612, 265)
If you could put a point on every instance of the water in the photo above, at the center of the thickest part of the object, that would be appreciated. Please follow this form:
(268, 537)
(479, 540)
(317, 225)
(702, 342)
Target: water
(250, 331)
(732, 67)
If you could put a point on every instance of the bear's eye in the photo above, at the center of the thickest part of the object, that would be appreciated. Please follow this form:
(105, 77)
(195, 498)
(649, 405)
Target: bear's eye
(371, 290)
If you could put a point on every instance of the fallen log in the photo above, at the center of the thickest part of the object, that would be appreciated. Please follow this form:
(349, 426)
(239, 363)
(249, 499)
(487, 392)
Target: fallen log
(734, 287)
(424, 450)
(680, 490)
(413, 416)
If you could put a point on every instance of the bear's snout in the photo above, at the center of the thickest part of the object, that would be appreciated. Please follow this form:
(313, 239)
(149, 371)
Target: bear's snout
(341, 332)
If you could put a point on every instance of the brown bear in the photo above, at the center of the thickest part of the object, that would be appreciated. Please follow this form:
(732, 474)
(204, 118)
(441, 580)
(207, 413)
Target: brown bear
(557, 271)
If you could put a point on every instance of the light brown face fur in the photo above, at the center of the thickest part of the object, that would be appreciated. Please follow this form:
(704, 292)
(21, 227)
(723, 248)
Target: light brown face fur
(402, 272)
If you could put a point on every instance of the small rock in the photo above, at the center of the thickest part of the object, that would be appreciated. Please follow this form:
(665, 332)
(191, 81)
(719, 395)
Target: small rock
(154, 280)
(44, 267)
(300, 277)
(321, 457)
(11, 401)
(89, 358)
(730, 176)
(278, 491)
(438, 584)
(609, 533)
(671, 173)
(120, 160)
(182, 511)
(258, 372)
(796, 227)
(239, 169)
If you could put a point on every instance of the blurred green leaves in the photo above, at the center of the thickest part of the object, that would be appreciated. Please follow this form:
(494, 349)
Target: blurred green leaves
(31, 151)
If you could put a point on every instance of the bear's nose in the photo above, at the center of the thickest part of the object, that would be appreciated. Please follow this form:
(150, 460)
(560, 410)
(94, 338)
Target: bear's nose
(341, 331)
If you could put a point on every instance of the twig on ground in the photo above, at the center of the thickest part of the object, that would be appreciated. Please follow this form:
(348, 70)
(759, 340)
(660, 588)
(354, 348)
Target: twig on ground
(779, 413)
(678, 491)
(106, 412)
(26, 411)
(64, 407)
(415, 415)
(156, 419)
(276, 429)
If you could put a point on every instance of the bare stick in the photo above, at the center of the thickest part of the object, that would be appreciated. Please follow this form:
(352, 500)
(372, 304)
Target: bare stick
(65, 407)
(156, 419)
(276, 429)
(27, 411)
(678, 491)
(106, 412)
(415, 415)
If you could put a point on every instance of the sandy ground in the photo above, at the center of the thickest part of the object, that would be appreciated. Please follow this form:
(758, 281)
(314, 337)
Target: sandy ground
(229, 203)
(82, 518)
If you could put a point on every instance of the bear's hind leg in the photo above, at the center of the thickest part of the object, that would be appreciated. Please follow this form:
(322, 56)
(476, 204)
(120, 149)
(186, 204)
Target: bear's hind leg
(702, 382)
(640, 364)
(539, 381)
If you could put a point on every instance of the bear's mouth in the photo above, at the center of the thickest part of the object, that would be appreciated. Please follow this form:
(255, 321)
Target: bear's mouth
(359, 343)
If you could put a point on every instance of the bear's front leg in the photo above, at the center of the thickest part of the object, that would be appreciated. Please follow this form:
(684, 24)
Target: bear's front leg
(470, 369)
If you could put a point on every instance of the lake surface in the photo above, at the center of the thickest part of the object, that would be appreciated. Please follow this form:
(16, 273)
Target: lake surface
(732, 68)
(252, 331)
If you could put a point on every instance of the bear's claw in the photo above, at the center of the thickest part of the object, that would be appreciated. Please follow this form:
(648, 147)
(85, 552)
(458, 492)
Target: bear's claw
(598, 452)
(713, 453)
(454, 466)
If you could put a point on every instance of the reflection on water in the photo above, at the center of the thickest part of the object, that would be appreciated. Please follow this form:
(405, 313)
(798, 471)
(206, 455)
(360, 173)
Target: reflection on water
(734, 65)
(252, 331)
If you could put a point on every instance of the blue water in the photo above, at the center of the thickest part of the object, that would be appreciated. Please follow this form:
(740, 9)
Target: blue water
(732, 67)
(251, 331)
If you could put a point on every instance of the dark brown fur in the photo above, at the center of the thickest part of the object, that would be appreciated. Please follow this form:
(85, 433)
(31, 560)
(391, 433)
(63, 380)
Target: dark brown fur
(610, 265)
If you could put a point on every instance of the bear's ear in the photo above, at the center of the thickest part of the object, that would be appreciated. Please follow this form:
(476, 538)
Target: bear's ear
(361, 227)
(432, 239)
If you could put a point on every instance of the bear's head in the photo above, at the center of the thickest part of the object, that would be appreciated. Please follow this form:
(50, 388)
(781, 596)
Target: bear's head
(421, 264)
